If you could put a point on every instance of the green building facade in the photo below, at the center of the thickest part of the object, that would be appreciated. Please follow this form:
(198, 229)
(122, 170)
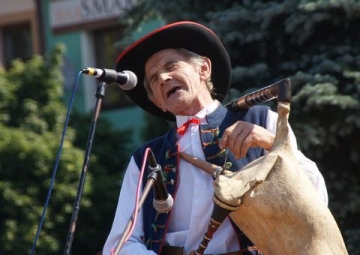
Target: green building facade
(93, 35)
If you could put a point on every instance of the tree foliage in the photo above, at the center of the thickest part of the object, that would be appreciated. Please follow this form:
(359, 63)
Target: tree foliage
(154, 127)
(32, 116)
(316, 45)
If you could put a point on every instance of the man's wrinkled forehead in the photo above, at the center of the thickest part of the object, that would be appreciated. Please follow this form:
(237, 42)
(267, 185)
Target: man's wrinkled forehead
(162, 58)
(162, 53)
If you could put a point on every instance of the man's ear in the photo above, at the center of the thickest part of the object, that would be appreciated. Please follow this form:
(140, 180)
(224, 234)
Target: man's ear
(205, 69)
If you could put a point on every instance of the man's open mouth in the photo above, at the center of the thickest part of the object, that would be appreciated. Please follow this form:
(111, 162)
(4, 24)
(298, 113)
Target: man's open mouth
(172, 91)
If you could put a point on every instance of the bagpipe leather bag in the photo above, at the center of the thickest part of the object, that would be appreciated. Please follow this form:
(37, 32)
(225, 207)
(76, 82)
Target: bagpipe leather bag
(274, 203)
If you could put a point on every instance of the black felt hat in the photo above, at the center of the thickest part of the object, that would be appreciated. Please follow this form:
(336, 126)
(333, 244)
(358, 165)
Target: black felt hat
(184, 34)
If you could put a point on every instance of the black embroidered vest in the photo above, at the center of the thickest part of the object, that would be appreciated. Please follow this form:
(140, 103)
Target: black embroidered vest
(165, 151)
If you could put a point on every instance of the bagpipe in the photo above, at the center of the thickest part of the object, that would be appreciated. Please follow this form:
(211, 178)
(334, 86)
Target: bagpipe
(271, 199)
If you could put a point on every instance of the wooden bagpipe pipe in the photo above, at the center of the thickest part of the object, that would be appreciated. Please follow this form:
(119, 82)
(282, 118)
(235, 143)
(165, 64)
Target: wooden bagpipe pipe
(271, 199)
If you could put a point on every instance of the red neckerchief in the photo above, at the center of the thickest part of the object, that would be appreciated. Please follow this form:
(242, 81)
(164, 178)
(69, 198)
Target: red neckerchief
(182, 129)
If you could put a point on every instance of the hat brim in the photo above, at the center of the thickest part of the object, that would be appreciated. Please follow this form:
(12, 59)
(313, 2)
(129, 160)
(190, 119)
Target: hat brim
(185, 34)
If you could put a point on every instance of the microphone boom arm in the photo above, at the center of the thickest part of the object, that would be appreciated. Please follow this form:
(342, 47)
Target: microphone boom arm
(155, 180)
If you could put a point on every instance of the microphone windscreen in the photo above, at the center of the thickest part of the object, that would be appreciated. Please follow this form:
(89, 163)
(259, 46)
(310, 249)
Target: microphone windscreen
(131, 83)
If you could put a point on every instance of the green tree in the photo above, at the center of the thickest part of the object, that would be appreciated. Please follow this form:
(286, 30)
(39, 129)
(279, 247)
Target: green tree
(154, 127)
(32, 116)
(316, 45)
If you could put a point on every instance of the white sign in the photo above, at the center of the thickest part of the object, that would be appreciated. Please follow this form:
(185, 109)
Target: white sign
(74, 12)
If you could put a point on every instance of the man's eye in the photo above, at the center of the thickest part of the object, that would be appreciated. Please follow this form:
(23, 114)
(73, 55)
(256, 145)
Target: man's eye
(153, 80)
(172, 67)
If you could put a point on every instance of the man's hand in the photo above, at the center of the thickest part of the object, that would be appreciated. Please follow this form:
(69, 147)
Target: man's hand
(241, 136)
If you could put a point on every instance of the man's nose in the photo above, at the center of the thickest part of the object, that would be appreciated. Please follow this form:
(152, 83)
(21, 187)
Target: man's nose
(164, 76)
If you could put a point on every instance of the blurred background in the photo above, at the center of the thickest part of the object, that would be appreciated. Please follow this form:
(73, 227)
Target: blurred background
(45, 44)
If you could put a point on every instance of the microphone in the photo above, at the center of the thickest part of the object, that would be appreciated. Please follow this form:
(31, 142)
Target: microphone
(126, 80)
(163, 201)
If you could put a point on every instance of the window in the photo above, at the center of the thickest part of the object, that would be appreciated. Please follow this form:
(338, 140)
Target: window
(106, 54)
(17, 42)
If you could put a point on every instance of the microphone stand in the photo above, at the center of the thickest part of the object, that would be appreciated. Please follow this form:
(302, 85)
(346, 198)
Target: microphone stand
(100, 93)
(151, 179)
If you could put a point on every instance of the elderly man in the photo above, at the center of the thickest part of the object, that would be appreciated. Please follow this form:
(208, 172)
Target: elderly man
(186, 72)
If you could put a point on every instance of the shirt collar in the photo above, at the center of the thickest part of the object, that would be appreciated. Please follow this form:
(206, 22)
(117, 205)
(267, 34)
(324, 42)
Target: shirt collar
(181, 119)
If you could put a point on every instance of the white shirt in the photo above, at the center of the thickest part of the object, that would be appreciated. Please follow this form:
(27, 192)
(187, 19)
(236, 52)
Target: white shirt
(193, 205)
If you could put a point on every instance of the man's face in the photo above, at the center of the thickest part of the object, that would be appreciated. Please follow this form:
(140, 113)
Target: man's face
(178, 85)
